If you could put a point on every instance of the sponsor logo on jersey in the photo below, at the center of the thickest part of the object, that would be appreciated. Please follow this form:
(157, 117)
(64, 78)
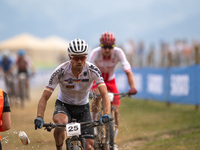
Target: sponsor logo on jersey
(70, 86)
(55, 74)
(69, 81)
(85, 80)
(95, 70)
(85, 73)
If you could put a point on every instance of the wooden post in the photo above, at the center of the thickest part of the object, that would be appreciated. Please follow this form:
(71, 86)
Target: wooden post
(196, 107)
(196, 62)
(169, 58)
(196, 55)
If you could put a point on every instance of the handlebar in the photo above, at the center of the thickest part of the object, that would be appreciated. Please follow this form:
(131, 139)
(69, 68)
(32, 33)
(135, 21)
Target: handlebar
(92, 94)
(95, 123)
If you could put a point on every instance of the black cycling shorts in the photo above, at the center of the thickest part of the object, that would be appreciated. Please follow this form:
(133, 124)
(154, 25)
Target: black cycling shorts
(79, 112)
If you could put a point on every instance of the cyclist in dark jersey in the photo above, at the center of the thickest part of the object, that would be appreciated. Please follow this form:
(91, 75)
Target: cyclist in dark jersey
(6, 66)
(24, 64)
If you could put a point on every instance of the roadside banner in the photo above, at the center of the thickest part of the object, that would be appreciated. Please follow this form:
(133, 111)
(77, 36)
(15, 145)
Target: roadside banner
(174, 85)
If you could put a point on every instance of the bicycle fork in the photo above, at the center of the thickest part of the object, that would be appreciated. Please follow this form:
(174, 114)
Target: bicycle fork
(71, 142)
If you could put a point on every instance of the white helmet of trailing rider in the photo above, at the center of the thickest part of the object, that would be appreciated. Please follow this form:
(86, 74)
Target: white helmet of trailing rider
(78, 47)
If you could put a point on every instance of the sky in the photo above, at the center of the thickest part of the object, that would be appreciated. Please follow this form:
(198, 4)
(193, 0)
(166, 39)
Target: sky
(147, 20)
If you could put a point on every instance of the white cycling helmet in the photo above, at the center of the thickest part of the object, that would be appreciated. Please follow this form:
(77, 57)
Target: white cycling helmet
(78, 47)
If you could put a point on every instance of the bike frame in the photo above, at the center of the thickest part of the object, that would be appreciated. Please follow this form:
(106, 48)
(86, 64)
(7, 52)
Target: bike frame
(76, 141)
(105, 135)
(22, 88)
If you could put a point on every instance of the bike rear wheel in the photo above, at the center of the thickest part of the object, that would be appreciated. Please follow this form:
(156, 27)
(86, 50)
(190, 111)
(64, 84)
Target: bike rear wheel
(21, 94)
(75, 147)
(109, 142)
(111, 130)
(22, 88)
(99, 137)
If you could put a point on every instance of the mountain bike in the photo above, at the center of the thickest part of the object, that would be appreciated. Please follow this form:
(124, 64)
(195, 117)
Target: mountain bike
(10, 86)
(22, 88)
(75, 140)
(104, 138)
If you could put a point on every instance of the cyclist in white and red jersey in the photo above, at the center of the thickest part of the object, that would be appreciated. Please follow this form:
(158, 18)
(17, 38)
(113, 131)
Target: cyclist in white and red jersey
(75, 78)
(106, 57)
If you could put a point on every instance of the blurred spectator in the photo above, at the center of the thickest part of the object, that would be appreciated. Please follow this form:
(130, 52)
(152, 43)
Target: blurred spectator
(150, 57)
(6, 66)
(178, 53)
(140, 53)
(187, 53)
(164, 52)
(129, 50)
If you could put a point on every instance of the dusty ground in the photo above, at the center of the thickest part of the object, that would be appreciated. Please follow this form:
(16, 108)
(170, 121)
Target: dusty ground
(22, 120)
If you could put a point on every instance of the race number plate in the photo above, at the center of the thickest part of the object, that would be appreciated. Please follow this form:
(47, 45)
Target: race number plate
(111, 96)
(73, 129)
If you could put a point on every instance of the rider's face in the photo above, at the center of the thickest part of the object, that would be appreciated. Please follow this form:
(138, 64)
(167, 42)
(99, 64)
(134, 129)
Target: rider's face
(78, 61)
(107, 50)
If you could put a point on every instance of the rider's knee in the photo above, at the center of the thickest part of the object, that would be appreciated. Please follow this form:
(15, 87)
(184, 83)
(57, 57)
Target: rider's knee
(60, 119)
(117, 110)
(89, 144)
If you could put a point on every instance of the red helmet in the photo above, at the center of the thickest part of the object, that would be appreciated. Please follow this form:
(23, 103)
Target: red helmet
(107, 38)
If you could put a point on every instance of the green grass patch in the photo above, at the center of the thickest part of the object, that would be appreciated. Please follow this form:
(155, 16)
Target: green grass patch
(154, 125)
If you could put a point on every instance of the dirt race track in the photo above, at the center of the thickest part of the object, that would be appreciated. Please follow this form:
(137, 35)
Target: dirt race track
(23, 120)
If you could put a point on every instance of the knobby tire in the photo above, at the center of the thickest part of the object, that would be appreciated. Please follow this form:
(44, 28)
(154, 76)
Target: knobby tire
(75, 147)
(111, 132)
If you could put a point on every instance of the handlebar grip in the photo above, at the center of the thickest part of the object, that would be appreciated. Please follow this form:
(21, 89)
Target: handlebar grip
(48, 129)
(46, 124)
(105, 120)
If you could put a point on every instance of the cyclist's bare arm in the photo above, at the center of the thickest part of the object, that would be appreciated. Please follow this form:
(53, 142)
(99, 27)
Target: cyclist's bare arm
(6, 121)
(106, 101)
(43, 102)
(131, 80)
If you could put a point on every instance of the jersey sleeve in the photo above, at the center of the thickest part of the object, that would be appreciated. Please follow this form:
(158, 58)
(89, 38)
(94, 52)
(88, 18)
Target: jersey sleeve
(54, 79)
(6, 107)
(125, 64)
(96, 75)
(92, 56)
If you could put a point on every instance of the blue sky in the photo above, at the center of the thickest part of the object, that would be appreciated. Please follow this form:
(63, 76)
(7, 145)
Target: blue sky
(148, 20)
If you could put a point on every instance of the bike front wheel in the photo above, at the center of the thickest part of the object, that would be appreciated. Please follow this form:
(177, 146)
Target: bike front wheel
(109, 143)
(75, 147)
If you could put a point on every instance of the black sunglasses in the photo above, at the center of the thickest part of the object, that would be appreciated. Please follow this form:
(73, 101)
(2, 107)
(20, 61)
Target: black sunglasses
(107, 46)
(77, 58)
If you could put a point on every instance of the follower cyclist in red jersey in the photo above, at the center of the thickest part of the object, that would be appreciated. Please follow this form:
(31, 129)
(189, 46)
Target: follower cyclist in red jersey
(106, 57)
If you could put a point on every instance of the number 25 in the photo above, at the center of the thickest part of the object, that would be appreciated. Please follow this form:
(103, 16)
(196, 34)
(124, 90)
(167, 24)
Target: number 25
(72, 128)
